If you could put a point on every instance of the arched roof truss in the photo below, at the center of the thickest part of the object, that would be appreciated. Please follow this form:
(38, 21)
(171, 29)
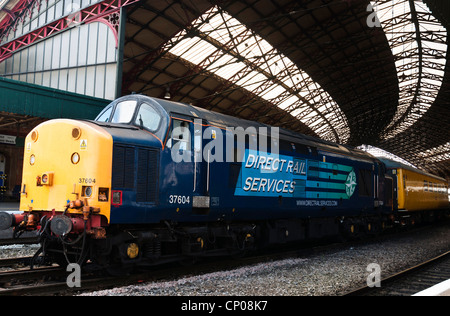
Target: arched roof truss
(223, 46)
(419, 44)
(317, 67)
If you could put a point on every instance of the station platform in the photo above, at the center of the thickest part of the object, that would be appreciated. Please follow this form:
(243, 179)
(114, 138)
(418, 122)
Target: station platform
(9, 206)
(441, 289)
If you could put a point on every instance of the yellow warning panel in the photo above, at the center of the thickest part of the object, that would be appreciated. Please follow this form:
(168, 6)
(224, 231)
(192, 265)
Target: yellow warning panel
(83, 144)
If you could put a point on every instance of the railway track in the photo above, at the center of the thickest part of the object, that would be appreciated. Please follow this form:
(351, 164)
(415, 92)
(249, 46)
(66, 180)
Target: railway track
(51, 281)
(412, 280)
(12, 262)
(19, 241)
(26, 238)
(26, 281)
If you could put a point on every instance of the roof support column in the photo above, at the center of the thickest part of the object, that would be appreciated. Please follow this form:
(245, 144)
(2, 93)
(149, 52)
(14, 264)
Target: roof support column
(121, 43)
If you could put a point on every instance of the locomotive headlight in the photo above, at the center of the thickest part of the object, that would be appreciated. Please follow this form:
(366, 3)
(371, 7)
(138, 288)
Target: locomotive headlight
(87, 191)
(75, 158)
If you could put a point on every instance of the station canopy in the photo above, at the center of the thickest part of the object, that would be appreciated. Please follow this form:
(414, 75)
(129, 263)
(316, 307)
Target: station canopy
(352, 72)
(349, 71)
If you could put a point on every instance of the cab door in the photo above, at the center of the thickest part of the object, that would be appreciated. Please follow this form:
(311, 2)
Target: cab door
(177, 170)
(202, 172)
(187, 177)
(2, 174)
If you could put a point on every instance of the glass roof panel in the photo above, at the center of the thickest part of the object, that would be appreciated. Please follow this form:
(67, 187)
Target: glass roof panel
(378, 152)
(420, 72)
(221, 62)
(289, 101)
(229, 69)
(273, 92)
(437, 154)
(255, 65)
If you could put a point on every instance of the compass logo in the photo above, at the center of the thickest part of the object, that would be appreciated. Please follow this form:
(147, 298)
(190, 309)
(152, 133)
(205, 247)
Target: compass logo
(350, 184)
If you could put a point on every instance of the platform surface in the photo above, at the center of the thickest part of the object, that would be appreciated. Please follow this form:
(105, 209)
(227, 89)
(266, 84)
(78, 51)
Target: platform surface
(9, 206)
(441, 289)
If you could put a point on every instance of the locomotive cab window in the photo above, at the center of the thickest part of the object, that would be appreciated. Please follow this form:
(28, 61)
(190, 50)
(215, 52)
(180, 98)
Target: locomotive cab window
(124, 111)
(147, 117)
(105, 115)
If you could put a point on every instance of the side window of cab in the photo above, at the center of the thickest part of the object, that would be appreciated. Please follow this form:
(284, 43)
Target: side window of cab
(105, 114)
(180, 136)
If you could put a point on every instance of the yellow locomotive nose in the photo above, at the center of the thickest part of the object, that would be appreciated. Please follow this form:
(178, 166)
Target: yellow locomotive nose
(67, 160)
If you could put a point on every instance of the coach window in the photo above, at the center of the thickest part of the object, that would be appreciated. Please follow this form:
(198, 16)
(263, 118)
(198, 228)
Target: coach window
(148, 118)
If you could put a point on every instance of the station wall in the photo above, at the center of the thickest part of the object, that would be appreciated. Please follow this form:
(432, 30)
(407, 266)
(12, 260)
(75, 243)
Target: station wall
(81, 59)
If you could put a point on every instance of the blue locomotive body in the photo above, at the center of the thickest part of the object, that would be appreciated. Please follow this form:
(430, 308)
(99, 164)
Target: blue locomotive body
(157, 181)
(197, 166)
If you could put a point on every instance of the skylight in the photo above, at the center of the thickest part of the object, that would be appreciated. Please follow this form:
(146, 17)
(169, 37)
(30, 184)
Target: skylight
(420, 58)
(380, 153)
(220, 44)
(437, 154)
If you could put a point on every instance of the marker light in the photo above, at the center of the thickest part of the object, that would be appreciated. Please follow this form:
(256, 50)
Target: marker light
(116, 198)
(75, 158)
(32, 159)
(34, 136)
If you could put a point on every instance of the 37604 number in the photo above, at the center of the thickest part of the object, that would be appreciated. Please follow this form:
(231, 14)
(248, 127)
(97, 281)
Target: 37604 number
(179, 199)
(86, 180)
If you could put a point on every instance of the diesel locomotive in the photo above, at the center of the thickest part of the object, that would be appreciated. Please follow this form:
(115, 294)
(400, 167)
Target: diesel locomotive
(152, 181)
